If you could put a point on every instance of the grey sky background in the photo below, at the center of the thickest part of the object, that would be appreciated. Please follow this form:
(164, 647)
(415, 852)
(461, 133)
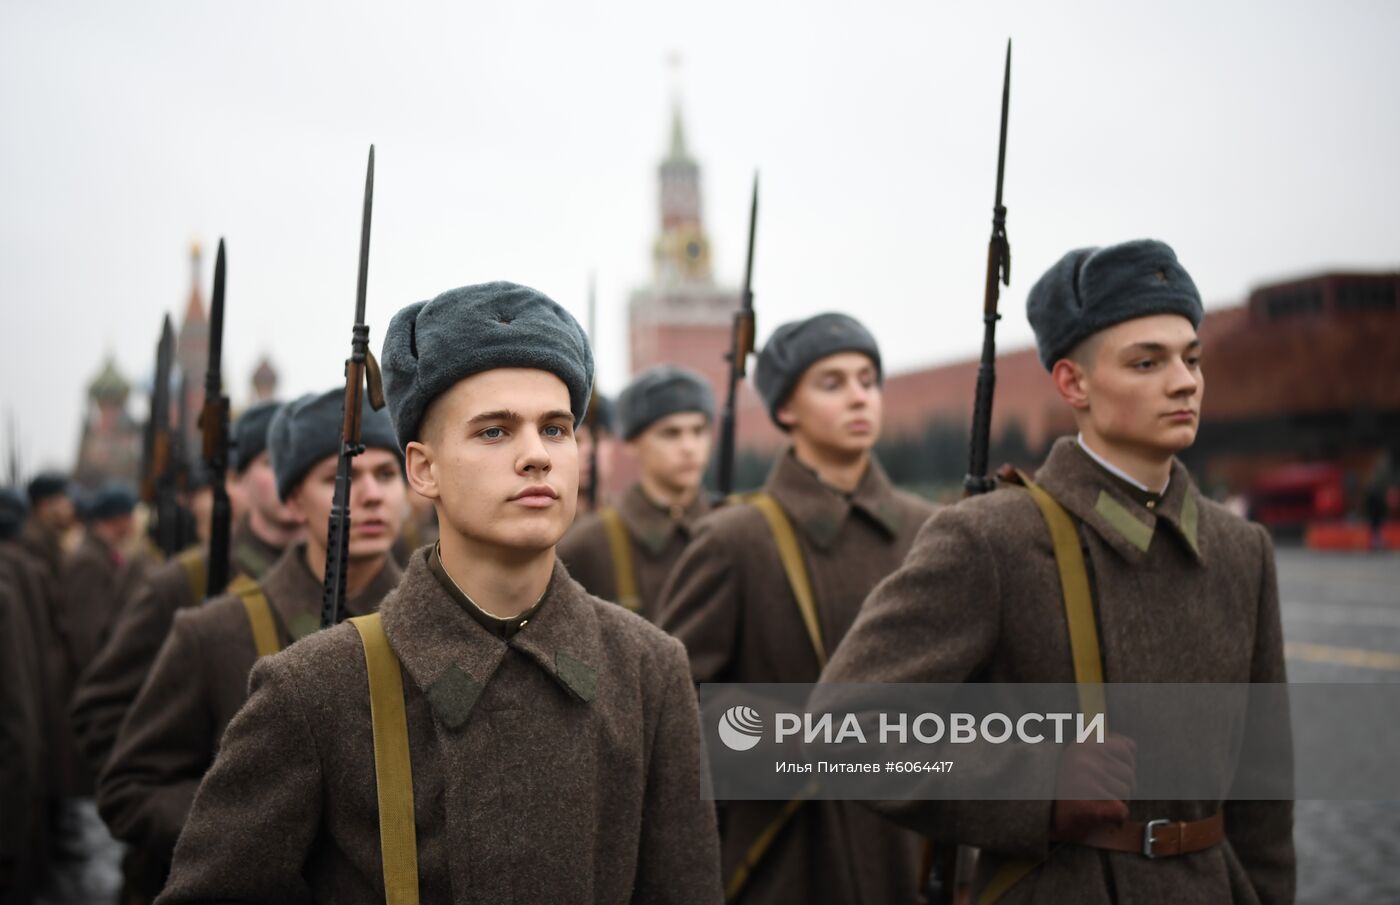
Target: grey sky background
(520, 140)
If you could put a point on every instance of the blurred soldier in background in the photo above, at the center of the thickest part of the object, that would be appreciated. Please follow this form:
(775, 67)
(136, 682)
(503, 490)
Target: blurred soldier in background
(24, 778)
(52, 516)
(624, 553)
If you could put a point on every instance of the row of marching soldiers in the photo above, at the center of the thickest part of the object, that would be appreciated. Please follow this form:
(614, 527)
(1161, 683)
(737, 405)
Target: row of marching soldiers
(511, 717)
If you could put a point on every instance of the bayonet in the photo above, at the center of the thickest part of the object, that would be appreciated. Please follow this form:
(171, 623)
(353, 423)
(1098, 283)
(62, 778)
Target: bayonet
(213, 425)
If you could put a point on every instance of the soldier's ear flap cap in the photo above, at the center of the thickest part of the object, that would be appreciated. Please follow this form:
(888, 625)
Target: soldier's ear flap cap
(432, 345)
(1092, 289)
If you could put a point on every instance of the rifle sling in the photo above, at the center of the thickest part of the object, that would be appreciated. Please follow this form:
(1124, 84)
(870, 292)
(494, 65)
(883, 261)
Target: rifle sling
(620, 548)
(795, 567)
(393, 771)
(1083, 645)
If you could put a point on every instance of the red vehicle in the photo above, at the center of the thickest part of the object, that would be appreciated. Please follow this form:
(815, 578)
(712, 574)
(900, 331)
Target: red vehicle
(1292, 496)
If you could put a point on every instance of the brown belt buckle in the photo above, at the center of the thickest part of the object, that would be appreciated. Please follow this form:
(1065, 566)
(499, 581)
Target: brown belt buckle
(1148, 838)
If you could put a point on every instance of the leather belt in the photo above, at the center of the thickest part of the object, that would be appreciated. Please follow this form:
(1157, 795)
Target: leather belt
(1158, 838)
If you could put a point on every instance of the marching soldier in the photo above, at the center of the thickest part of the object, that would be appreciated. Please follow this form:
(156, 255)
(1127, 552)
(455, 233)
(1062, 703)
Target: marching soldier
(767, 588)
(23, 684)
(91, 572)
(1176, 589)
(623, 553)
(264, 528)
(527, 742)
(200, 678)
(51, 516)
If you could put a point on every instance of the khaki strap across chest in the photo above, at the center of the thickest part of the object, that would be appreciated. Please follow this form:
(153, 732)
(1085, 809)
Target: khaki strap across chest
(795, 567)
(260, 620)
(620, 547)
(393, 770)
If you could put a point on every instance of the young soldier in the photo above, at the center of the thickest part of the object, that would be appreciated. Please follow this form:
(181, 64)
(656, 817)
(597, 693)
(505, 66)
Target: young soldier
(51, 517)
(527, 742)
(200, 678)
(732, 600)
(91, 572)
(23, 686)
(1183, 591)
(623, 553)
(263, 529)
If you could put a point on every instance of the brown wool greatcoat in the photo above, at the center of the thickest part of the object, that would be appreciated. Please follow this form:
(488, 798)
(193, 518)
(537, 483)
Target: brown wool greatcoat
(23, 771)
(199, 681)
(729, 601)
(90, 598)
(38, 591)
(109, 684)
(658, 538)
(562, 765)
(1179, 597)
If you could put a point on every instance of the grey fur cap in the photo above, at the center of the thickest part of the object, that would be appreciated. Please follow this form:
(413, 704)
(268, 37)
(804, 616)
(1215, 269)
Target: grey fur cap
(660, 391)
(1092, 289)
(250, 433)
(111, 500)
(794, 347)
(430, 346)
(307, 430)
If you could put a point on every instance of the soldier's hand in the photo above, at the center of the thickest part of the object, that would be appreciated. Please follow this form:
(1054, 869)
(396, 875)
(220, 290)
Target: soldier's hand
(1092, 786)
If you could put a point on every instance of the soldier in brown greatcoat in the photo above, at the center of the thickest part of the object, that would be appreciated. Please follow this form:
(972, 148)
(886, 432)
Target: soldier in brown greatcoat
(731, 601)
(263, 528)
(1183, 591)
(624, 553)
(199, 680)
(51, 516)
(549, 743)
(23, 686)
(90, 587)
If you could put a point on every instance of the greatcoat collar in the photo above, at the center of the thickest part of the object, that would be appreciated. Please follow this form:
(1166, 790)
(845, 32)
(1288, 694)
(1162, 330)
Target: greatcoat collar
(452, 657)
(820, 510)
(1105, 504)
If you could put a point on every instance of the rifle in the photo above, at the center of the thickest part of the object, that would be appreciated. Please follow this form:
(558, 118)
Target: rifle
(361, 374)
(740, 348)
(591, 416)
(998, 270)
(213, 423)
(158, 484)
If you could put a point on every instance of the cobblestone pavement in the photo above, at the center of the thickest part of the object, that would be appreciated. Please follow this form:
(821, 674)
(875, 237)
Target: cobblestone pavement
(1341, 623)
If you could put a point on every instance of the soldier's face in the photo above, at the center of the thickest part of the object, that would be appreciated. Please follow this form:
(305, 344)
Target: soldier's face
(674, 450)
(376, 502)
(56, 512)
(837, 405)
(1140, 387)
(499, 456)
(257, 491)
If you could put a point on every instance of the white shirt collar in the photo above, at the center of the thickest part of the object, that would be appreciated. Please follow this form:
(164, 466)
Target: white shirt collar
(1120, 473)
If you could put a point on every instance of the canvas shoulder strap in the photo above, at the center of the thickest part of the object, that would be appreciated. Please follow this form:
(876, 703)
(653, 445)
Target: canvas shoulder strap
(1083, 645)
(194, 565)
(259, 619)
(393, 771)
(795, 567)
(620, 546)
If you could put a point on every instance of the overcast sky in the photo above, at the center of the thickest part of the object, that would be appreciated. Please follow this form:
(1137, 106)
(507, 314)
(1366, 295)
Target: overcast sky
(520, 141)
